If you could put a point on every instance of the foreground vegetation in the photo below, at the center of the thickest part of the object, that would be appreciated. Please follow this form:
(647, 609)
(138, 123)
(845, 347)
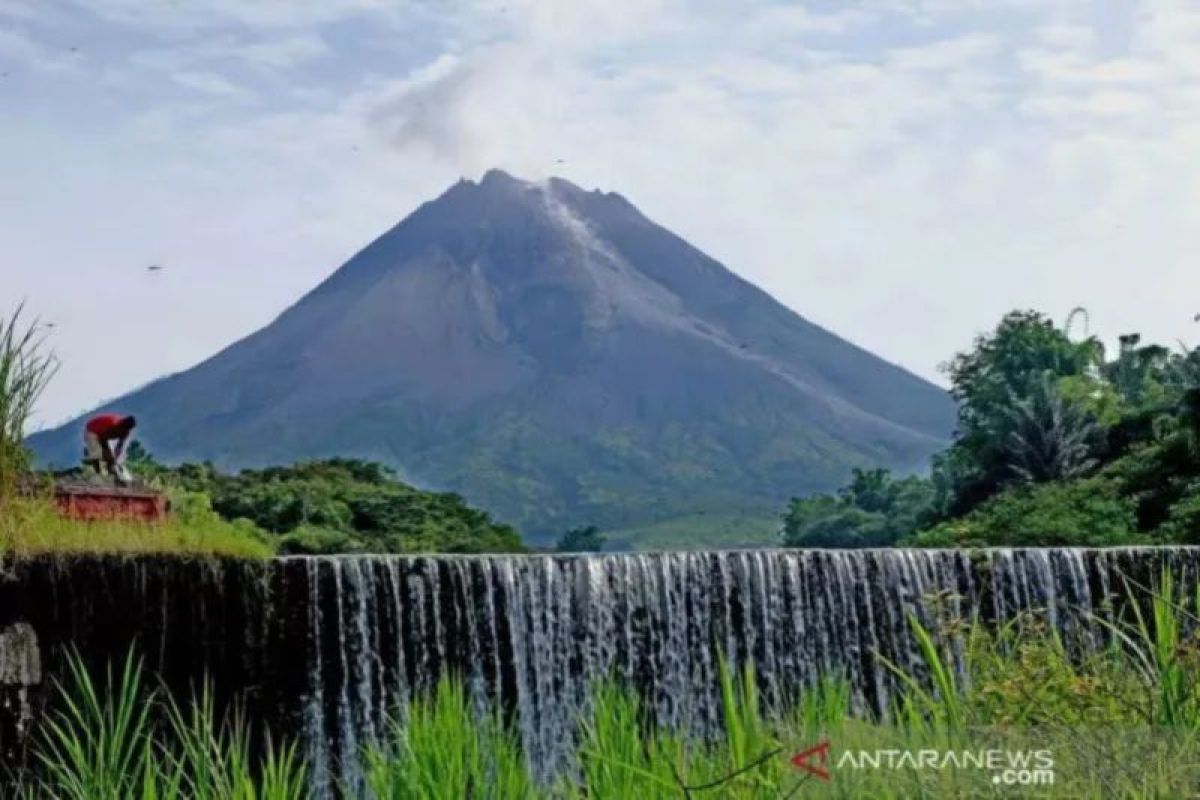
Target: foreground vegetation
(117, 739)
(29, 521)
(1122, 721)
(334, 506)
(31, 526)
(1057, 444)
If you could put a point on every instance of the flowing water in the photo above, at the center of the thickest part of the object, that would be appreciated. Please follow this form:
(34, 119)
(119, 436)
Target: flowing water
(329, 646)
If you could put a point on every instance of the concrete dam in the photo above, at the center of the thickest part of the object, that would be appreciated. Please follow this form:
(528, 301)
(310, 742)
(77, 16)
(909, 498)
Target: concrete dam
(326, 648)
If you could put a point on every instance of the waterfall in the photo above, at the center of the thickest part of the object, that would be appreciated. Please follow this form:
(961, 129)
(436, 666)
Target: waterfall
(327, 648)
(534, 632)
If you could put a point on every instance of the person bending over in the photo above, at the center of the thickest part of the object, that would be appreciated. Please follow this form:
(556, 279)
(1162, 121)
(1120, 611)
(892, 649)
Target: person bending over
(104, 439)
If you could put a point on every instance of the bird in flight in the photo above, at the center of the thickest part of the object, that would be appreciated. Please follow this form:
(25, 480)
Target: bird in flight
(154, 268)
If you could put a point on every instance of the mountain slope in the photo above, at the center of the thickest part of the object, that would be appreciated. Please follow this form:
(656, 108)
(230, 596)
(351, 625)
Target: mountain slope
(555, 357)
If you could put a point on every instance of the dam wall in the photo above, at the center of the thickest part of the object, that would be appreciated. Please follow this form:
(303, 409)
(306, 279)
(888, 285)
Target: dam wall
(325, 648)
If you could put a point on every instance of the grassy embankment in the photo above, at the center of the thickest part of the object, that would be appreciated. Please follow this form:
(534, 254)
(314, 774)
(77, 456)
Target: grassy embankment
(32, 526)
(29, 524)
(1122, 723)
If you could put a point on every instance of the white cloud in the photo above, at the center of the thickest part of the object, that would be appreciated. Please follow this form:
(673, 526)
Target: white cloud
(902, 172)
(945, 55)
(209, 83)
(256, 14)
(286, 52)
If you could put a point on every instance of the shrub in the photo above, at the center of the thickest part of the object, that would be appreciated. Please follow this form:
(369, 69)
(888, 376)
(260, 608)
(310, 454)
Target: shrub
(1085, 513)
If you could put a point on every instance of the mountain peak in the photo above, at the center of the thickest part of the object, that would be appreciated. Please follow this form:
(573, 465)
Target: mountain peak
(555, 357)
(498, 177)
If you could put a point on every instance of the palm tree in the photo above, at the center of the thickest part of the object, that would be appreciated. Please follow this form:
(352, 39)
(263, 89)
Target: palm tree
(1131, 372)
(1047, 438)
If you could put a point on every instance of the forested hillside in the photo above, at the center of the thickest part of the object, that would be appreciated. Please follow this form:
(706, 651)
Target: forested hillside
(337, 506)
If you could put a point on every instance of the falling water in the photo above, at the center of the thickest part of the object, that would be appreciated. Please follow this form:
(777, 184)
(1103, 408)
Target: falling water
(330, 647)
(534, 632)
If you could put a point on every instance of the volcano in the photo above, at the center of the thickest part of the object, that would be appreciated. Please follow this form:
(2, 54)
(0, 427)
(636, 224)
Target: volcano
(556, 358)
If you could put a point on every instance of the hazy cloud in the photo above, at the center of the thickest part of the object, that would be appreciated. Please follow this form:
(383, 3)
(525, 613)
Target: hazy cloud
(208, 83)
(902, 171)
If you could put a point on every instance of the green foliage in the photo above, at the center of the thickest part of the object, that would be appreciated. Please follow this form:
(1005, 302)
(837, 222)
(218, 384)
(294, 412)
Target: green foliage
(340, 505)
(1011, 410)
(442, 751)
(1086, 513)
(1025, 347)
(116, 740)
(581, 540)
(1138, 375)
(32, 525)
(1048, 438)
(1056, 446)
(334, 506)
(617, 757)
(1156, 475)
(1021, 673)
(1183, 520)
(98, 745)
(315, 540)
(26, 367)
(874, 510)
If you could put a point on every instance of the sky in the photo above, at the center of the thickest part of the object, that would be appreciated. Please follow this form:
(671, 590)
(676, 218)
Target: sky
(902, 172)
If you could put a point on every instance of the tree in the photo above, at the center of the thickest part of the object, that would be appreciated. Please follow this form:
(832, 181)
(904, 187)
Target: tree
(1183, 521)
(143, 463)
(1137, 373)
(1085, 513)
(1025, 347)
(26, 368)
(873, 510)
(1056, 445)
(1004, 368)
(346, 505)
(1189, 412)
(581, 540)
(1045, 438)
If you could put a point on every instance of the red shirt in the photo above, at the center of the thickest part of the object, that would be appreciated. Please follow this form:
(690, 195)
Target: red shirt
(103, 424)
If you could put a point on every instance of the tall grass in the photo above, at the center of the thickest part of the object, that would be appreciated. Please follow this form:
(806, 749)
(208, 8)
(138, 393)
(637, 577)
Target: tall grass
(1121, 721)
(443, 752)
(118, 740)
(26, 368)
(32, 526)
(1166, 650)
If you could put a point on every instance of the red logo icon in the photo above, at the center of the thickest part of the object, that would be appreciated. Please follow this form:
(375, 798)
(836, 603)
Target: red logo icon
(818, 754)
